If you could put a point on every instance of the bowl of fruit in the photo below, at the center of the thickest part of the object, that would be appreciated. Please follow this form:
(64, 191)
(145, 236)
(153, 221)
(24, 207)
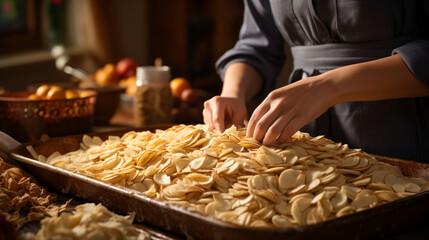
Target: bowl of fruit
(112, 80)
(51, 110)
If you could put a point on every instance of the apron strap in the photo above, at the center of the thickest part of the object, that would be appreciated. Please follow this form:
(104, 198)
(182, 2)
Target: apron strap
(334, 55)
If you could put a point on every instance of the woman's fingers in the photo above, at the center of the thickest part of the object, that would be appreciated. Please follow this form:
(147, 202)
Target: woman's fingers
(291, 128)
(220, 112)
(264, 123)
(276, 129)
(287, 109)
(214, 114)
(218, 116)
(278, 117)
(267, 125)
(207, 117)
(253, 124)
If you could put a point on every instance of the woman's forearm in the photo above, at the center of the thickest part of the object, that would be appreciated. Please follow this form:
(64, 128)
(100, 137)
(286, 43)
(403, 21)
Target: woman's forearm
(241, 81)
(386, 78)
(289, 108)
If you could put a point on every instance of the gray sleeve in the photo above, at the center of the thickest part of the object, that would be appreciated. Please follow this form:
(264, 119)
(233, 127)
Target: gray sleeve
(260, 44)
(416, 53)
(416, 56)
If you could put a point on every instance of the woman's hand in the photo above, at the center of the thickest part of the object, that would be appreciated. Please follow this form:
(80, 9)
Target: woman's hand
(222, 112)
(288, 109)
(241, 82)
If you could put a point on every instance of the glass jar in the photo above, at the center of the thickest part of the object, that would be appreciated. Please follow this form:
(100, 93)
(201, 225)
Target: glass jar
(152, 100)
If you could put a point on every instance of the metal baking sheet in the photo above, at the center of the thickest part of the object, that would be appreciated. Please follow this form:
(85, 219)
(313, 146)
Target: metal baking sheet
(369, 224)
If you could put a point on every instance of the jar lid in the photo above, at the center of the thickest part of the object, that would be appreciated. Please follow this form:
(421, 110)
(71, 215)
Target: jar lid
(152, 74)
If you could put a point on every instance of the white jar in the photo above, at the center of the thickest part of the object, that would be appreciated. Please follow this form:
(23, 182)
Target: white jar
(152, 100)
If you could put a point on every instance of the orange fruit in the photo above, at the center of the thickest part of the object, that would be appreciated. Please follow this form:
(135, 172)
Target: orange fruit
(178, 85)
(56, 92)
(106, 75)
(130, 85)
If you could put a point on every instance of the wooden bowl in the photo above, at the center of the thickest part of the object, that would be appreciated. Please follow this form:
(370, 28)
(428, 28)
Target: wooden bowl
(108, 99)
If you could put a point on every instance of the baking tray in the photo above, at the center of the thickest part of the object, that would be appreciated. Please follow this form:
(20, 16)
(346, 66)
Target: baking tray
(368, 224)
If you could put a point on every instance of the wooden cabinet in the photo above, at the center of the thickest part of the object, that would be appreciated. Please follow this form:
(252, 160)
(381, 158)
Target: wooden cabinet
(190, 35)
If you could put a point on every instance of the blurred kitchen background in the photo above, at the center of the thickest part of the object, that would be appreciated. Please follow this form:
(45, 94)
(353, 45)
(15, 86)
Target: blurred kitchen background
(188, 35)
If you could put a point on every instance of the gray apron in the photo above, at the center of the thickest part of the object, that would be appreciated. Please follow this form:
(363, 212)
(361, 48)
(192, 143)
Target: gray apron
(395, 127)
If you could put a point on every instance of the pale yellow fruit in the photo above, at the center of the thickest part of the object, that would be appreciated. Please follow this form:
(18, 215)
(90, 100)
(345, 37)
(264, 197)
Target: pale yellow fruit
(43, 90)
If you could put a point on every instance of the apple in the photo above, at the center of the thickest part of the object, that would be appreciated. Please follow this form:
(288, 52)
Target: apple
(190, 97)
(176, 100)
(126, 68)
